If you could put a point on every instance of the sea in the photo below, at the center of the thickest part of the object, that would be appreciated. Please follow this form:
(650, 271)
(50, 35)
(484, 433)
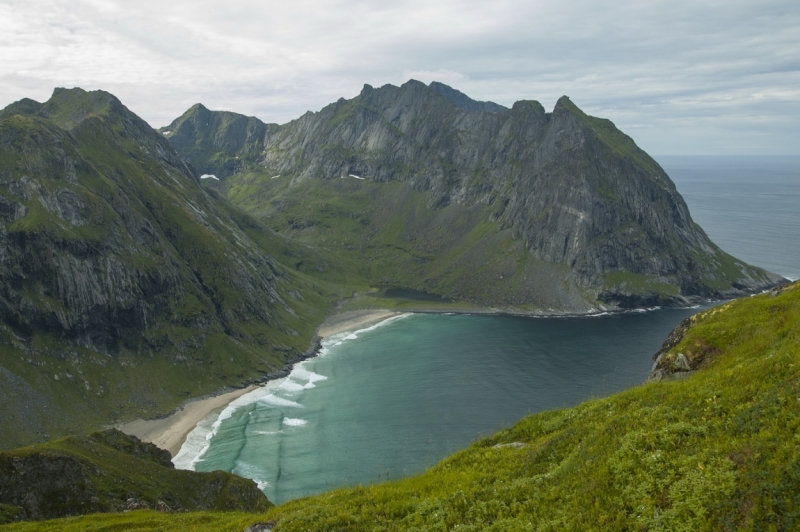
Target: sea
(392, 399)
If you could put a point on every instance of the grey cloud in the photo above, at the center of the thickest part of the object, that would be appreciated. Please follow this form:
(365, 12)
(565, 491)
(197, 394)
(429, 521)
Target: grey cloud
(679, 76)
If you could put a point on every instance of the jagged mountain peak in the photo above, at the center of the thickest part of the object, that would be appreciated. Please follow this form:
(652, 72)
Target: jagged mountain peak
(114, 256)
(587, 205)
(462, 101)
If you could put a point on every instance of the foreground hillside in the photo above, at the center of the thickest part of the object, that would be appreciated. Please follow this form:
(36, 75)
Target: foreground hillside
(421, 187)
(125, 287)
(111, 472)
(717, 451)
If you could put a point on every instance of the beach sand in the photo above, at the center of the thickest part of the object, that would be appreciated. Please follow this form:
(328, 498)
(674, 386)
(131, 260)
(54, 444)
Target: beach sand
(170, 432)
(353, 320)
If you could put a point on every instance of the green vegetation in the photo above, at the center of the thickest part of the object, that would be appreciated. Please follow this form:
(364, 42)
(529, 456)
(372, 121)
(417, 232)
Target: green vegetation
(615, 140)
(639, 284)
(139, 520)
(718, 451)
(385, 234)
(110, 472)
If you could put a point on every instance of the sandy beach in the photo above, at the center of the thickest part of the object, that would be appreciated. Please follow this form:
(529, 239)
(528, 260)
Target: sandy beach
(170, 432)
(353, 320)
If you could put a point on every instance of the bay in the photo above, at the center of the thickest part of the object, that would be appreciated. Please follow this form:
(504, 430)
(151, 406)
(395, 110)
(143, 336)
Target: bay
(396, 398)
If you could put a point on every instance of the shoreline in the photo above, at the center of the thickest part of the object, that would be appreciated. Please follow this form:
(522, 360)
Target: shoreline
(170, 432)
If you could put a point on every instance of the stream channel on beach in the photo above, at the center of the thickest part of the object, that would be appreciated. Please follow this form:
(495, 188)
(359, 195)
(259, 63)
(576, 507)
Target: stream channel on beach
(393, 399)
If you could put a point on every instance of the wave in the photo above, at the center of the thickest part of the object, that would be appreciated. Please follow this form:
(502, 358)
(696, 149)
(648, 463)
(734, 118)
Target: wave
(289, 385)
(340, 338)
(275, 400)
(301, 373)
(198, 441)
(252, 472)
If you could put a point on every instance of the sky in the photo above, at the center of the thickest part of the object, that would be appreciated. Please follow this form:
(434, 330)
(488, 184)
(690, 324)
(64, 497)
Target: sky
(680, 77)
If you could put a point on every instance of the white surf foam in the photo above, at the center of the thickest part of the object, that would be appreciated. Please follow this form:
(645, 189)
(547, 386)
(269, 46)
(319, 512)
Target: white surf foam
(289, 385)
(339, 338)
(198, 441)
(301, 373)
(252, 472)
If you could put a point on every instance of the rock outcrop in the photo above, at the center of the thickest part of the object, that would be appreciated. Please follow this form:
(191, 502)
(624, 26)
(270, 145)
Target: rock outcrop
(112, 472)
(599, 220)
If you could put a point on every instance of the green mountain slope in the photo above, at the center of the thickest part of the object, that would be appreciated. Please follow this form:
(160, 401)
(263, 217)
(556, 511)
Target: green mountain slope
(112, 472)
(125, 287)
(717, 451)
(517, 207)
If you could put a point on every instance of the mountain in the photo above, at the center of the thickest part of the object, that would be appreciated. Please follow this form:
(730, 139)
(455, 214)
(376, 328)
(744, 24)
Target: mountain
(111, 472)
(415, 186)
(125, 286)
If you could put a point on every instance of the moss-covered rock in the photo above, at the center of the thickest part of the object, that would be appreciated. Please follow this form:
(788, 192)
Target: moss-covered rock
(111, 472)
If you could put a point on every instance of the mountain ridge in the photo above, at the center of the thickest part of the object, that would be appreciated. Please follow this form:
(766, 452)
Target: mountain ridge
(113, 258)
(589, 207)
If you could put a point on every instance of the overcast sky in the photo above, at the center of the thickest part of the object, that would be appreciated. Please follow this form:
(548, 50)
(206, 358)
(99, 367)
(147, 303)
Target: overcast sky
(680, 77)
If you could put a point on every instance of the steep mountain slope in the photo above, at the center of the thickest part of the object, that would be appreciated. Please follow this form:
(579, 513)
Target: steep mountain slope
(515, 207)
(125, 287)
(717, 451)
(112, 472)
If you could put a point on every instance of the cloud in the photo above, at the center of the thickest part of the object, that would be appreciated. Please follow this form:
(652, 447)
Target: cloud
(679, 76)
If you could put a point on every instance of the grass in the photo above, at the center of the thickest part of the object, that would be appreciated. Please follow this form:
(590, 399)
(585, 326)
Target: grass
(639, 284)
(99, 473)
(144, 520)
(717, 451)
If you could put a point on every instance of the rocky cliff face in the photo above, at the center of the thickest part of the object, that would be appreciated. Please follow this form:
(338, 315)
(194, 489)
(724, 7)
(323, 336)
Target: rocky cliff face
(124, 285)
(599, 220)
(112, 472)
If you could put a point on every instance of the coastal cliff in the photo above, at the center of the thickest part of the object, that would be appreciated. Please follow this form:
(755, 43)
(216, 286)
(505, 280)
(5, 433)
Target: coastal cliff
(422, 187)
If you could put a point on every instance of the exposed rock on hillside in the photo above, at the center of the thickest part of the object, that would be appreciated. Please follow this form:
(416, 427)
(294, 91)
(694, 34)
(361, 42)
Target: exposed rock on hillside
(112, 472)
(596, 221)
(125, 287)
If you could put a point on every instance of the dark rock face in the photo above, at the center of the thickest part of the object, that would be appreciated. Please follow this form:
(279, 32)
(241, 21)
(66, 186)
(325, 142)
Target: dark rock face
(112, 472)
(578, 192)
(113, 258)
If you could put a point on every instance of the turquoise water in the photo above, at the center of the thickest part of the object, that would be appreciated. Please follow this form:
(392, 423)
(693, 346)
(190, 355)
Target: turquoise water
(399, 397)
